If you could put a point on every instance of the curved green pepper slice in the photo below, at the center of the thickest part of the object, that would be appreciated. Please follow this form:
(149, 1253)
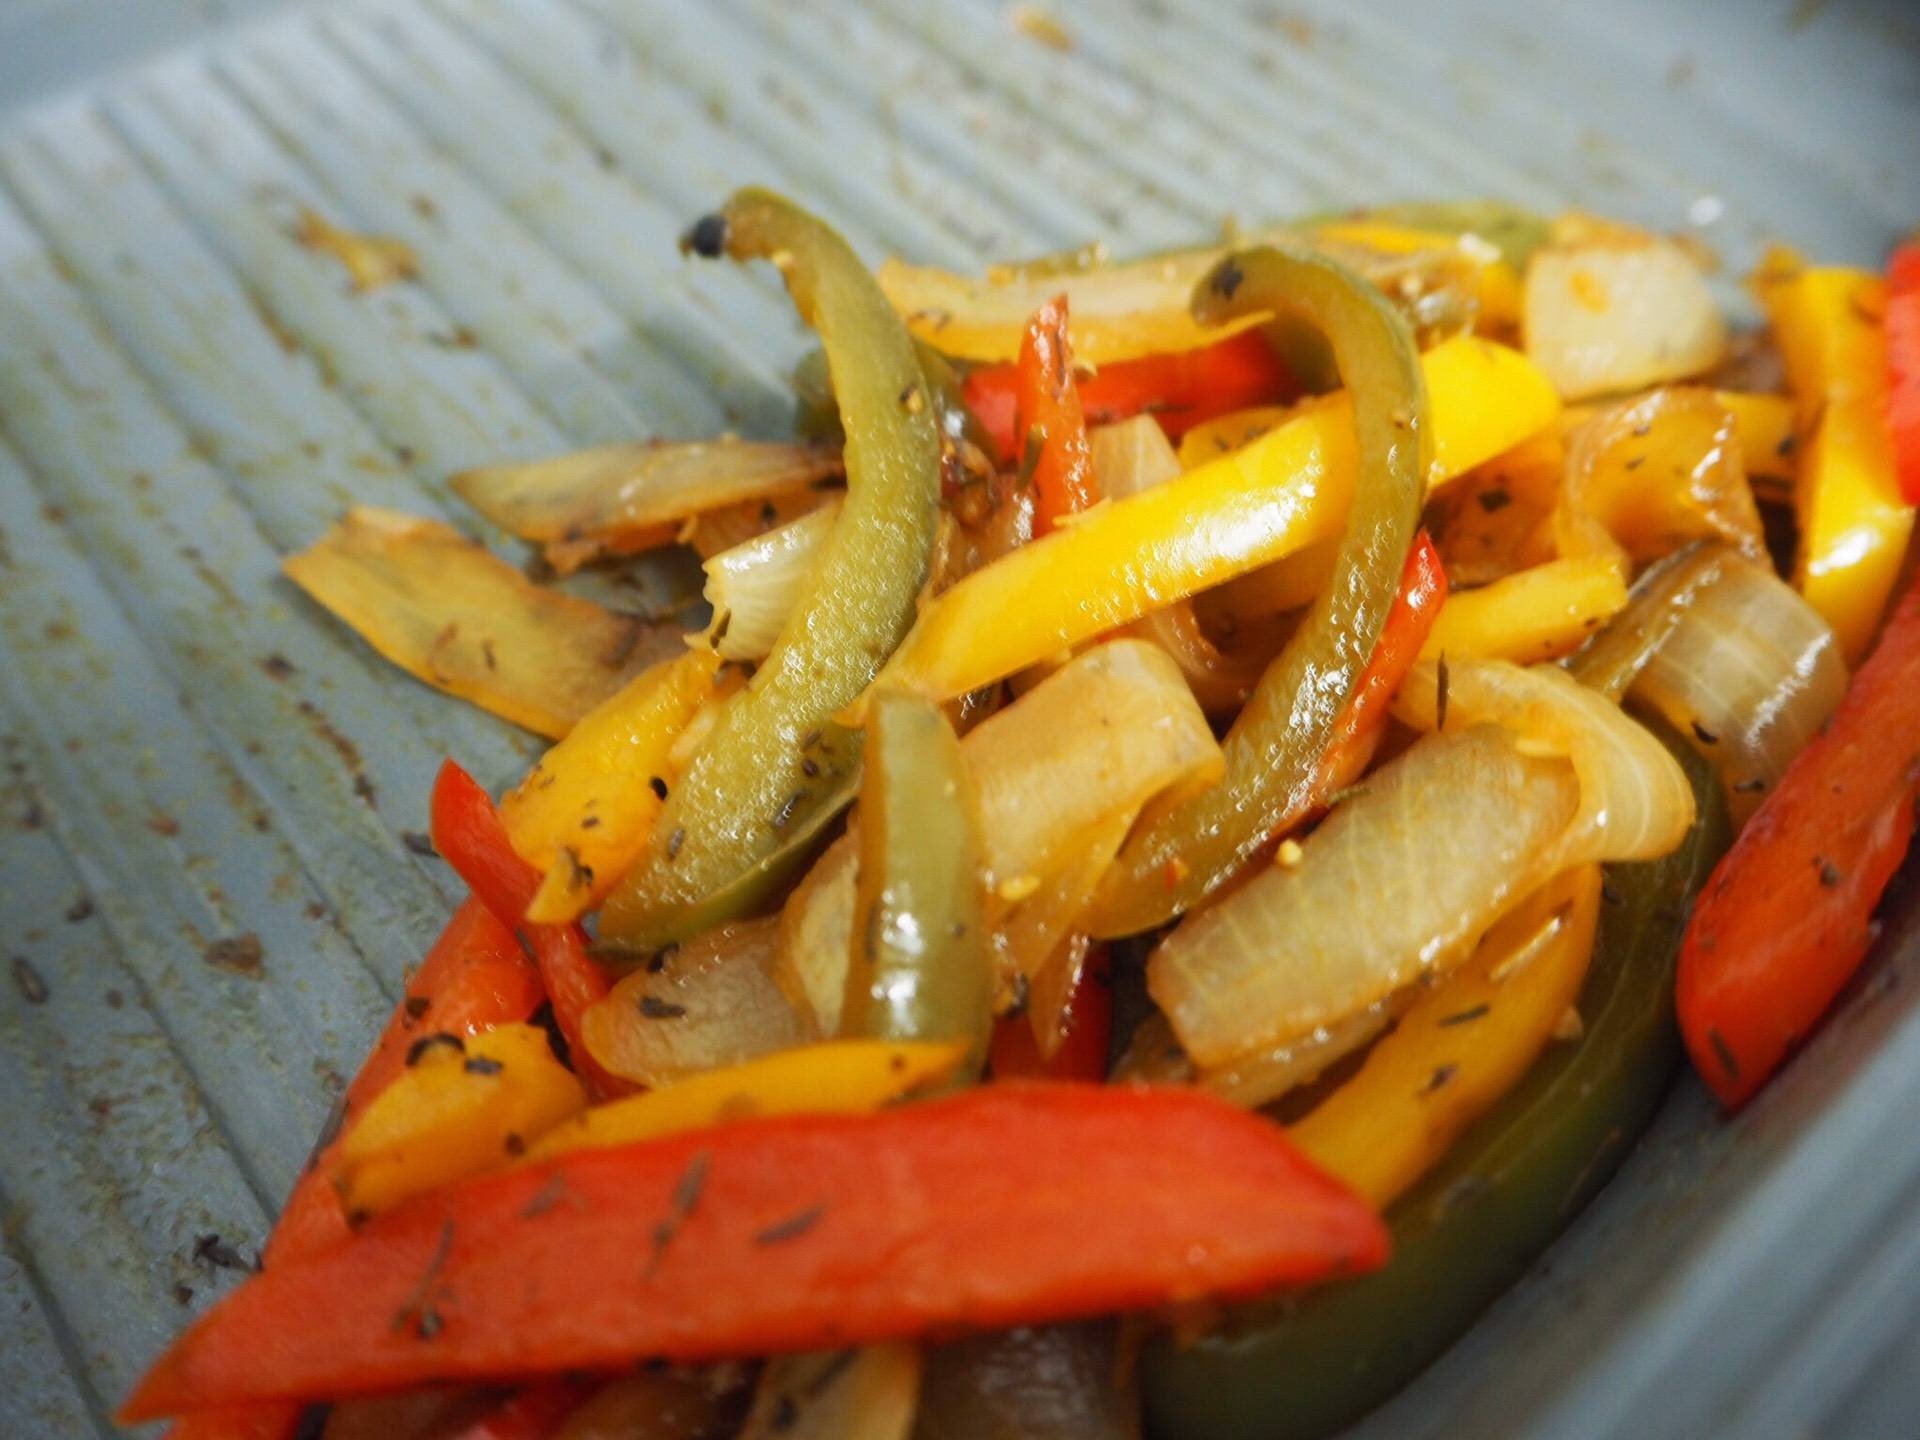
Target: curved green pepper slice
(1470, 1228)
(773, 760)
(1274, 750)
(965, 446)
(920, 968)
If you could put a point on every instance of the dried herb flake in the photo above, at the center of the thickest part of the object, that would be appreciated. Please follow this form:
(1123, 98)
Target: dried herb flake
(791, 1228)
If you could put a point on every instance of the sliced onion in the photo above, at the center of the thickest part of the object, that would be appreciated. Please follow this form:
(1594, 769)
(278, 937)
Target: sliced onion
(1264, 1075)
(713, 1001)
(722, 528)
(1133, 456)
(1154, 1056)
(1635, 803)
(1141, 307)
(1619, 311)
(1750, 674)
(1650, 474)
(816, 935)
(1611, 661)
(1109, 730)
(1033, 930)
(1399, 881)
(1533, 773)
(1113, 728)
(1120, 312)
(455, 615)
(753, 587)
(615, 498)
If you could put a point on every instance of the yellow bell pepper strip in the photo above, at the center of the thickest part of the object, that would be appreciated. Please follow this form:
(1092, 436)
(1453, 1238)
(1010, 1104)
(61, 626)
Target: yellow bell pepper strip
(768, 766)
(1854, 522)
(1540, 613)
(1276, 496)
(584, 810)
(1460, 1047)
(835, 1077)
(461, 1107)
(449, 612)
(920, 967)
(1211, 439)
(1275, 749)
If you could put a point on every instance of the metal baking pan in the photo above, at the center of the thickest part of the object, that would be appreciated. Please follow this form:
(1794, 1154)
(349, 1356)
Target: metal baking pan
(205, 887)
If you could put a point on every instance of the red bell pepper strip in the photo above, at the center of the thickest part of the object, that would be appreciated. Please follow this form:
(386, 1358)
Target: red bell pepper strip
(469, 835)
(1052, 428)
(1902, 329)
(1084, 1044)
(1181, 390)
(268, 1420)
(474, 977)
(533, 1414)
(1004, 1205)
(1786, 918)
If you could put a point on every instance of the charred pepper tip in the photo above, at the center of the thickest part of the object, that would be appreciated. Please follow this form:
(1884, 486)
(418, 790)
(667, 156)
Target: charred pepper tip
(706, 237)
(1227, 277)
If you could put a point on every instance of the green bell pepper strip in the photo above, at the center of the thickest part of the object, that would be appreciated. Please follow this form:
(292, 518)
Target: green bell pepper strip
(966, 449)
(836, 753)
(763, 771)
(920, 968)
(1274, 750)
(1473, 1225)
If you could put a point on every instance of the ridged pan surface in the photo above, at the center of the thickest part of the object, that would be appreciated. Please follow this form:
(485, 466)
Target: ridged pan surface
(207, 898)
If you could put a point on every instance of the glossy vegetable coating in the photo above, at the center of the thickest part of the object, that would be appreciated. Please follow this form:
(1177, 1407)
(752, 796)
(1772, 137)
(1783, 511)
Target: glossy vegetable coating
(1304, 1369)
(1003, 1205)
(1854, 520)
(1789, 915)
(920, 968)
(1275, 748)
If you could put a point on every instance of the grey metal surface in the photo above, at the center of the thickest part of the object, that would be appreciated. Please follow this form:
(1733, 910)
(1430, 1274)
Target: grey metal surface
(186, 394)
